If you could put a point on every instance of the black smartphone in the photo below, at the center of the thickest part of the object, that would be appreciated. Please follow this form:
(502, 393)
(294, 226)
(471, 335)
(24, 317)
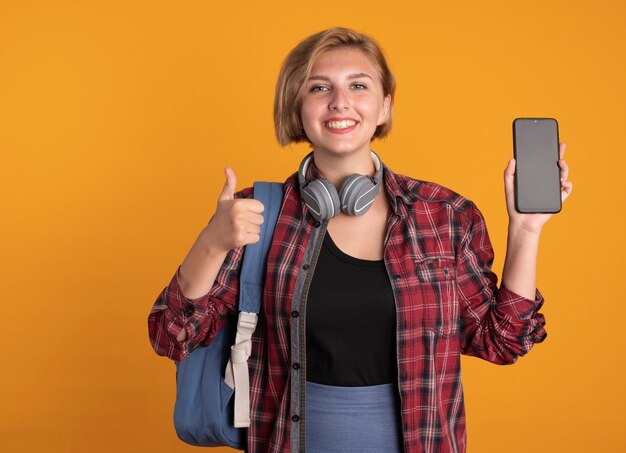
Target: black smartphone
(537, 173)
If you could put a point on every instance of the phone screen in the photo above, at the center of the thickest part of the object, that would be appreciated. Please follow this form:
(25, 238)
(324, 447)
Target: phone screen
(537, 174)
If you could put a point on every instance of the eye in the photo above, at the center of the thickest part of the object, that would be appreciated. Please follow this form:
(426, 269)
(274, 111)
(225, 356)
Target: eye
(359, 86)
(317, 88)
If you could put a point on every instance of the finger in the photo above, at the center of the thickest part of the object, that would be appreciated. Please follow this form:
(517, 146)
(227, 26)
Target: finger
(228, 192)
(253, 238)
(509, 171)
(567, 190)
(255, 219)
(251, 235)
(253, 229)
(246, 233)
(246, 211)
(562, 150)
(509, 175)
(252, 205)
(564, 170)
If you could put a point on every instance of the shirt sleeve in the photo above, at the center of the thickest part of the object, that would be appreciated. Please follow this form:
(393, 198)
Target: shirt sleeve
(202, 317)
(496, 324)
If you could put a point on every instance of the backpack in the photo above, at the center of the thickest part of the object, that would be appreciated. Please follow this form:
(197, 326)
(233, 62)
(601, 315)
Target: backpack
(212, 384)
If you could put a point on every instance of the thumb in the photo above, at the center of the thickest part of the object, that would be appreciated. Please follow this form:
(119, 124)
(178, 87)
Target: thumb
(509, 184)
(228, 192)
(510, 168)
(509, 172)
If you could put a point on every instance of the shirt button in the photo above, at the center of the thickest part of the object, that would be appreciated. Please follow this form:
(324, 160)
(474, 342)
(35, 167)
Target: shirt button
(305, 267)
(295, 418)
(296, 366)
(295, 314)
(317, 224)
(188, 311)
(398, 277)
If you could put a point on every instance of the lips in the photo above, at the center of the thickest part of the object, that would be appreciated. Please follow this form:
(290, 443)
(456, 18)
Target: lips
(340, 126)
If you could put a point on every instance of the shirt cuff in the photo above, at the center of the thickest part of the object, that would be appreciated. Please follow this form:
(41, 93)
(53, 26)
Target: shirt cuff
(521, 307)
(524, 312)
(182, 307)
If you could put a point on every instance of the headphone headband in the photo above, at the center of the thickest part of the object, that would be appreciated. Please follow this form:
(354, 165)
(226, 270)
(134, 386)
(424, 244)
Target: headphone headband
(304, 166)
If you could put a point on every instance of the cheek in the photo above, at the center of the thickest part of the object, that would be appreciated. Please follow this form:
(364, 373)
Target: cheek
(370, 110)
(381, 116)
(369, 105)
(308, 113)
(305, 118)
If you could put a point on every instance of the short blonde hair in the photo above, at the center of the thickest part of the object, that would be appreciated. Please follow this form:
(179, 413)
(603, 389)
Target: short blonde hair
(296, 70)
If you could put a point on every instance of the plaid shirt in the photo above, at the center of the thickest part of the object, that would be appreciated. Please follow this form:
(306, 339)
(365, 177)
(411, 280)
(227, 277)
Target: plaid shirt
(438, 257)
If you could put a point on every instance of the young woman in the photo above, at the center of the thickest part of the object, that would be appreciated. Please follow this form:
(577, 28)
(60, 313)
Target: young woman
(376, 282)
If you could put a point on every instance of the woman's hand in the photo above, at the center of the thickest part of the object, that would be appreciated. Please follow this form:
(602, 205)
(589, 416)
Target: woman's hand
(532, 223)
(519, 274)
(236, 222)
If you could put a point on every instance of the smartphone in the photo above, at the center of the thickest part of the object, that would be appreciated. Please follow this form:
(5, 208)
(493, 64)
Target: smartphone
(537, 173)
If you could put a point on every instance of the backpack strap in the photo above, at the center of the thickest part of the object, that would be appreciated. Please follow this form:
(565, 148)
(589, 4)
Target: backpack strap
(251, 282)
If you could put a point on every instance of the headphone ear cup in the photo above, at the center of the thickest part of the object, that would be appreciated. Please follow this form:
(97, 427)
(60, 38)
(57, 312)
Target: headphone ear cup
(322, 199)
(357, 194)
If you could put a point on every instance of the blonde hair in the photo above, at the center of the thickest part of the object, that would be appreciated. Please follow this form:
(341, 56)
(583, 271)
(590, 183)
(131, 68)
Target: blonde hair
(296, 70)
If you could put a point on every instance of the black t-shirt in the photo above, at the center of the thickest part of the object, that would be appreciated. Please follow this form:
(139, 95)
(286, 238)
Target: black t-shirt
(350, 321)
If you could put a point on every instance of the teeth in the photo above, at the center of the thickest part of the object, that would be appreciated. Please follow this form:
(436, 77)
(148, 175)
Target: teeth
(340, 124)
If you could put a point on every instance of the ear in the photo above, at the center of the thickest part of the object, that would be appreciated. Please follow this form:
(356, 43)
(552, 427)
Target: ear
(384, 113)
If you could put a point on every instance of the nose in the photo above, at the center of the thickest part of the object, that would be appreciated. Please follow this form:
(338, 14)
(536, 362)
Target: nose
(339, 100)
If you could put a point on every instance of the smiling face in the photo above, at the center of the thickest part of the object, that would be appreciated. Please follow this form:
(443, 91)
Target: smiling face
(343, 102)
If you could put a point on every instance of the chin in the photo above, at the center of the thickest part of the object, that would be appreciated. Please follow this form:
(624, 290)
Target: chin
(345, 147)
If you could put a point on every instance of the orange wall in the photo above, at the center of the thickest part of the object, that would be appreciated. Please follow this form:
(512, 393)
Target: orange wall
(117, 117)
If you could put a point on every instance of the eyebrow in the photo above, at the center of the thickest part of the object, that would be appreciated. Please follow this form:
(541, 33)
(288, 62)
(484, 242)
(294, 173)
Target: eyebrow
(359, 75)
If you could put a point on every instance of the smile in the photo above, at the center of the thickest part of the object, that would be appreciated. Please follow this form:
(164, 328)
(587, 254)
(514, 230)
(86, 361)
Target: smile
(340, 124)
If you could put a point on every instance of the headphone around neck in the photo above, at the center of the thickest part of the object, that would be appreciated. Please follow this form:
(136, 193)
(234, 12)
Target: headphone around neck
(355, 197)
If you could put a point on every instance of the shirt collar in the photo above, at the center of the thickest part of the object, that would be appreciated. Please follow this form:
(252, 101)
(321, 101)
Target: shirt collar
(398, 190)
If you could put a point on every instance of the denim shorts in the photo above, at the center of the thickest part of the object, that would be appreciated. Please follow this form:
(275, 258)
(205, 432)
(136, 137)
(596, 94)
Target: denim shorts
(353, 419)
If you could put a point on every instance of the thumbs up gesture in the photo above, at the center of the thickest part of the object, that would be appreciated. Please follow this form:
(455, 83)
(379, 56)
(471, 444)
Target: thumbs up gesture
(236, 222)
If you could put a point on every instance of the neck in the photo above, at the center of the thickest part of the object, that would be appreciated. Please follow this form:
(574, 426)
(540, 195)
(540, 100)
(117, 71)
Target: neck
(336, 168)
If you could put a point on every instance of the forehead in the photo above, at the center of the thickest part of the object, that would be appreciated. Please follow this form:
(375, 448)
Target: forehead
(343, 61)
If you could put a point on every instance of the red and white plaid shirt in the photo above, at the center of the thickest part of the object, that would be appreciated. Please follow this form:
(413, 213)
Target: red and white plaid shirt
(438, 257)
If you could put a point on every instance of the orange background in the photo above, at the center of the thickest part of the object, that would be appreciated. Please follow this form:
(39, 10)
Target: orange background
(117, 117)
